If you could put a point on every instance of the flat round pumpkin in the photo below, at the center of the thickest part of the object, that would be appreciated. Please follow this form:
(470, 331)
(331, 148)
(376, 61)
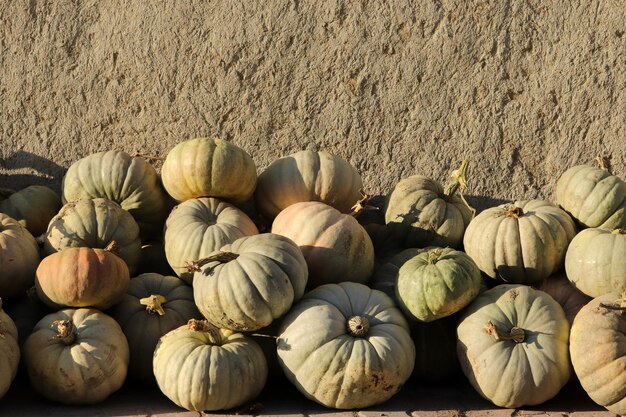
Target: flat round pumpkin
(19, 257)
(32, 206)
(9, 351)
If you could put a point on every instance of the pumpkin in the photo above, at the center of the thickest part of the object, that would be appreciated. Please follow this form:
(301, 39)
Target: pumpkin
(308, 176)
(200, 226)
(202, 368)
(563, 291)
(206, 167)
(76, 356)
(82, 277)
(32, 206)
(336, 247)
(249, 283)
(9, 351)
(153, 259)
(597, 347)
(129, 181)
(346, 346)
(436, 359)
(385, 276)
(19, 257)
(513, 346)
(593, 197)
(420, 212)
(95, 223)
(153, 305)
(520, 242)
(596, 261)
(436, 283)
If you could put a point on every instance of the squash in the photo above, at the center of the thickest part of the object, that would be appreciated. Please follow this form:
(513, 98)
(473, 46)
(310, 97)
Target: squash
(346, 346)
(520, 242)
(202, 368)
(9, 351)
(336, 247)
(595, 262)
(249, 283)
(563, 291)
(513, 346)
(205, 167)
(32, 206)
(82, 277)
(385, 276)
(200, 226)
(19, 257)
(153, 305)
(129, 181)
(76, 356)
(598, 350)
(308, 176)
(593, 197)
(95, 223)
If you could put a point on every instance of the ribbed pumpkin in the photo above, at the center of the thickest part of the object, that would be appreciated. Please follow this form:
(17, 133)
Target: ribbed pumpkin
(308, 176)
(32, 206)
(76, 356)
(346, 346)
(9, 351)
(596, 261)
(202, 368)
(200, 226)
(153, 305)
(436, 283)
(19, 257)
(520, 242)
(336, 247)
(129, 181)
(95, 223)
(82, 277)
(385, 276)
(249, 283)
(598, 349)
(593, 197)
(513, 346)
(206, 167)
(563, 291)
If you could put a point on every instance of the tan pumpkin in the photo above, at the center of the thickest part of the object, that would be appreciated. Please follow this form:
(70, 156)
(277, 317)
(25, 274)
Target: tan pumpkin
(32, 206)
(336, 247)
(19, 257)
(561, 289)
(9, 351)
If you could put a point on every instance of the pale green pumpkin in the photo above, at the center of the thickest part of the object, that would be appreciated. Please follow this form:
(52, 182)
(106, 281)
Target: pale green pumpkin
(19, 258)
(9, 351)
(32, 206)
(385, 276)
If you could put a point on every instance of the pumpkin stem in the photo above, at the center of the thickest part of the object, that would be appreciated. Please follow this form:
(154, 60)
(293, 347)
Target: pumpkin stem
(619, 232)
(604, 162)
(434, 255)
(459, 183)
(112, 247)
(154, 304)
(510, 210)
(212, 332)
(66, 331)
(362, 204)
(516, 334)
(220, 258)
(358, 326)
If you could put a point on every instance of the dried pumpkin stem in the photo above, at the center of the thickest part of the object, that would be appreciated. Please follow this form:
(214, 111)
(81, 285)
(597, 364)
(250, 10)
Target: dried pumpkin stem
(516, 334)
(213, 333)
(619, 232)
(112, 247)
(458, 184)
(513, 211)
(220, 258)
(362, 204)
(154, 304)
(358, 326)
(604, 162)
(434, 255)
(66, 331)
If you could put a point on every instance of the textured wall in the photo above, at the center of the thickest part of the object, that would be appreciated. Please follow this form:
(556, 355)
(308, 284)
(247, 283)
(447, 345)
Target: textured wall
(523, 89)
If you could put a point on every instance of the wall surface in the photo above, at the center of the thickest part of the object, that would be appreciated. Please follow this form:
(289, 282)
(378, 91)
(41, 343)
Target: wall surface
(523, 89)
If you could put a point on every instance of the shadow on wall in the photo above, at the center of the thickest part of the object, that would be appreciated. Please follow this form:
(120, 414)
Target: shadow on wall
(44, 171)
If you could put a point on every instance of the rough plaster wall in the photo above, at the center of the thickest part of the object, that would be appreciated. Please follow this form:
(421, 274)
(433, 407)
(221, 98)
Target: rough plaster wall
(523, 89)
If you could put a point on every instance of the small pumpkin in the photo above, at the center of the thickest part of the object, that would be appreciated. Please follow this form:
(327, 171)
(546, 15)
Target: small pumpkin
(308, 176)
(336, 247)
(595, 262)
(19, 257)
(32, 206)
(76, 356)
(200, 226)
(9, 351)
(206, 167)
(202, 368)
(565, 293)
(520, 242)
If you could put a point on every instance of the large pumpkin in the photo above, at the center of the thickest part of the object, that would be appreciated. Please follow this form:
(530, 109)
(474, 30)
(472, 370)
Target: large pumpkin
(520, 242)
(346, 346)
(202, 368)
(200, 226)
(249, 283)
(513, 346)
(596, 261)
(593, 196)
(9, 351)
(153, 305)
(598, 349)
(336, 247)
(95, 223)
(385, 276)
(19, 257)
(32, 206)
(76, 356)
(563, 291)
(205, 167)
(129, 181)
(308, 176)
(82, 277)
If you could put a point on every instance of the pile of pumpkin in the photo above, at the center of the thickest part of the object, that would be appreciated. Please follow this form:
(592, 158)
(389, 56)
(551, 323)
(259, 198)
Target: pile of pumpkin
(346, 311)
